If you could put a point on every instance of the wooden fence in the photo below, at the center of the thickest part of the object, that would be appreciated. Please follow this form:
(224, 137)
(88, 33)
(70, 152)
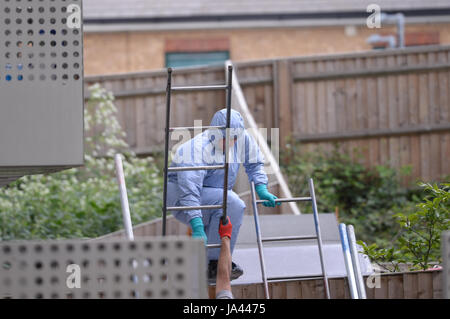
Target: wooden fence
(407, 285)
(392, 105)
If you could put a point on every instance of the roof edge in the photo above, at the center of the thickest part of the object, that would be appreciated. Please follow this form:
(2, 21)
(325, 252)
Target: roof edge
(224, 25)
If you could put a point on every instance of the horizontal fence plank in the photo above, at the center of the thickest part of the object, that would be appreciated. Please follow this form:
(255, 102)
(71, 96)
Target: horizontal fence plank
(419, 284)
(373, 53)
(370, 72)
(413, 130)
(142, 92)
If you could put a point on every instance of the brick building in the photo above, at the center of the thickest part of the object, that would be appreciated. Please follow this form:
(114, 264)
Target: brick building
(137, 35)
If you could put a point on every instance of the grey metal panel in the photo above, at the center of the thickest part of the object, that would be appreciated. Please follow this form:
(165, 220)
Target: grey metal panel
(170, 267)
(41, 85)
(291, 258)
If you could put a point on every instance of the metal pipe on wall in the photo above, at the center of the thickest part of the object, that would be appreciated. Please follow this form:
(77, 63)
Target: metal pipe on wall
(399, 20)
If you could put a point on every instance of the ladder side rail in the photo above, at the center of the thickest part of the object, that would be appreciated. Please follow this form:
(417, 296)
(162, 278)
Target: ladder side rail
(166, 149)
(259, 241)
(227, 141)
(319, 237)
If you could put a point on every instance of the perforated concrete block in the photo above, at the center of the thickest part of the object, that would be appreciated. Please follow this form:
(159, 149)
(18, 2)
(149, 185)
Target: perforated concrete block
(157, 267)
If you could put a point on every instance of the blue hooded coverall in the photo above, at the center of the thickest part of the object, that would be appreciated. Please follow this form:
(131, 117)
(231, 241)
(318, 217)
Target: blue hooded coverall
(205, 187)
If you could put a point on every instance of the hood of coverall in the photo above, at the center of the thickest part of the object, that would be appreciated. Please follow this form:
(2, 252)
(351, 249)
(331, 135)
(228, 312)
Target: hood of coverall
(220, 119)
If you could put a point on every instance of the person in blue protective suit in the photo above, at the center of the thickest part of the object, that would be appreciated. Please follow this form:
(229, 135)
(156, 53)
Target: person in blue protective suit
(205, 187)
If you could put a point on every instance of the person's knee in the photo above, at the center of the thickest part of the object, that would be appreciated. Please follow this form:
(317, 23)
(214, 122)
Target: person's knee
(235, 203)
(180, 217)
(235, 210)
(185, 216)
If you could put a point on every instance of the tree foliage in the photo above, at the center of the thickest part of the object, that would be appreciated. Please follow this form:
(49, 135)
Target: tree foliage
(419, 242)
(364, 197)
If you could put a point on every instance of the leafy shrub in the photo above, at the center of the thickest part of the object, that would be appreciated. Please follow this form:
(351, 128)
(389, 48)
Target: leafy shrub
(364, 197)
(419, 241)
(84, 202)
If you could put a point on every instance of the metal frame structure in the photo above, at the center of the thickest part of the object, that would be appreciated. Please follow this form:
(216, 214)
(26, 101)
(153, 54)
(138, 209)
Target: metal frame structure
(348, 262)
(241, 104)
(260, 240)
(128, 226)
(356, 264)
(168, 129)
(352, 263)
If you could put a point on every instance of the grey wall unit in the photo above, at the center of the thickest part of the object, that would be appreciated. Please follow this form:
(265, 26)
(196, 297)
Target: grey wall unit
(41, 87)
(157, 267)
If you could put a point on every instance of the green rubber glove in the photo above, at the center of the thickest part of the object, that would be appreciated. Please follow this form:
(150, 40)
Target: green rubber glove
(264, 194)
(198, 229)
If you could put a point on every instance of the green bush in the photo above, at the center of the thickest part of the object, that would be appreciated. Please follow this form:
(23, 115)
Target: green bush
(419, 242)
(367, 198)
(84, 202)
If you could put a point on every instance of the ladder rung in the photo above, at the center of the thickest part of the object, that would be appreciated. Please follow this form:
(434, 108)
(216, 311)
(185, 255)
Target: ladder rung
(213, 246)
(286, 200)
(195, 168)
(194, 207)
(294, 277)
(191, 128)
(199, 88)
(268, 239)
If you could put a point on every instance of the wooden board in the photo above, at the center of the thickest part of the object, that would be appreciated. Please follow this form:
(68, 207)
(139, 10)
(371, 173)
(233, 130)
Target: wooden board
(390, 90)
(409, 285)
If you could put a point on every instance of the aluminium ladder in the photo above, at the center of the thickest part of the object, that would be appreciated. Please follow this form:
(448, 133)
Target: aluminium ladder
(260, 240)
(168, 129)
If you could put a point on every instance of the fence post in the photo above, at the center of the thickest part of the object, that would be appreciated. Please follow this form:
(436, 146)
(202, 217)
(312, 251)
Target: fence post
(283, 84)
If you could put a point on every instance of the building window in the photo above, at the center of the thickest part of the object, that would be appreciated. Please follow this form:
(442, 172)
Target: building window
(185, 59)
(184, 52)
